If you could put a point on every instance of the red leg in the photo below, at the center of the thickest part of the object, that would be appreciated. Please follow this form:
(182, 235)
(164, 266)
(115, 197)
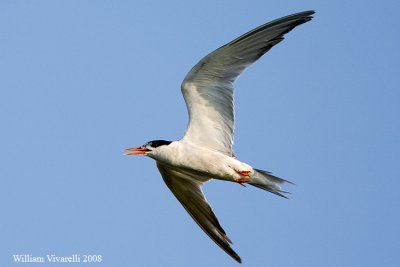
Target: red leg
(244, 173)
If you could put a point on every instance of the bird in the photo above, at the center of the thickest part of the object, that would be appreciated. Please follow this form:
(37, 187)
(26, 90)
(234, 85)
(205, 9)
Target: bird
(205, 152)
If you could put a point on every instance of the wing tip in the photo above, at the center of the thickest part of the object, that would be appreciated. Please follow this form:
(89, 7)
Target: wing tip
(238, 259)
(235, 256)
(307, 13)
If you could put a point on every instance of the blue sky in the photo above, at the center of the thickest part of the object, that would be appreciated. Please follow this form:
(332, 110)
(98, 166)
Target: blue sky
(83, 80)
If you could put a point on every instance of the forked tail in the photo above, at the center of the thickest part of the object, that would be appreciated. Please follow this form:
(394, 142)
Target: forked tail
(267, 181)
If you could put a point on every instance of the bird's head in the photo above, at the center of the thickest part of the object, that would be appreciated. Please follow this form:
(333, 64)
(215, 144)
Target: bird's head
(147, 148)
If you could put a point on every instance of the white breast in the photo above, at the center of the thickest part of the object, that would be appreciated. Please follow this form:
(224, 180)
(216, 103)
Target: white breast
(187, 157)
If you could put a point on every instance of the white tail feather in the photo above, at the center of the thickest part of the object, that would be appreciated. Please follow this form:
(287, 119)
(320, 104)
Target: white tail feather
(268, 182)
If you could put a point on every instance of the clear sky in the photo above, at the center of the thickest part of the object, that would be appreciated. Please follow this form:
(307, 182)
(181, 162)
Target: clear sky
(83, 80)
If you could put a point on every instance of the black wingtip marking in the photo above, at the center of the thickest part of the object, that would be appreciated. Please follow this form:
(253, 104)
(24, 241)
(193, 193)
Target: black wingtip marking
(297, 18)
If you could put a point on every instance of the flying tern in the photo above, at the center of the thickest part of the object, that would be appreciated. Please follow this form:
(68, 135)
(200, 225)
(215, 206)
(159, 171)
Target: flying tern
(205, 151)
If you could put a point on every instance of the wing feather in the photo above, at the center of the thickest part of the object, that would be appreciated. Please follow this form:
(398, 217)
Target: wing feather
(208, 87)
(188, 191)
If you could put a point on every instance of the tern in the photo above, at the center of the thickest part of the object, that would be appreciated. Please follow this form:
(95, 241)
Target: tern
(205, 151)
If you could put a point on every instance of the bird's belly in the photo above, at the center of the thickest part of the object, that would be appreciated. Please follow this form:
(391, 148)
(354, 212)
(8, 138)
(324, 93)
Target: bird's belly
(201, 162)
(212, 165)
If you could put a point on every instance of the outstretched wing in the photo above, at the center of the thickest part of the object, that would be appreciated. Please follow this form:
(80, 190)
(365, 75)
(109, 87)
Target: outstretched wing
(188, 191)
(208, 87)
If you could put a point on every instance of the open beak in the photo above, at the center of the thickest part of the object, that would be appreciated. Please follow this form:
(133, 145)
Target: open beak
(136, 151)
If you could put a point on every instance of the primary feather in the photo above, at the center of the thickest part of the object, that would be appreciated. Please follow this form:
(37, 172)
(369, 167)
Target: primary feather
(208, 87)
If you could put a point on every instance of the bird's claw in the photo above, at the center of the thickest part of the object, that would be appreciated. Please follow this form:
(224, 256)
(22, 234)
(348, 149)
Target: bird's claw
(244, 173)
